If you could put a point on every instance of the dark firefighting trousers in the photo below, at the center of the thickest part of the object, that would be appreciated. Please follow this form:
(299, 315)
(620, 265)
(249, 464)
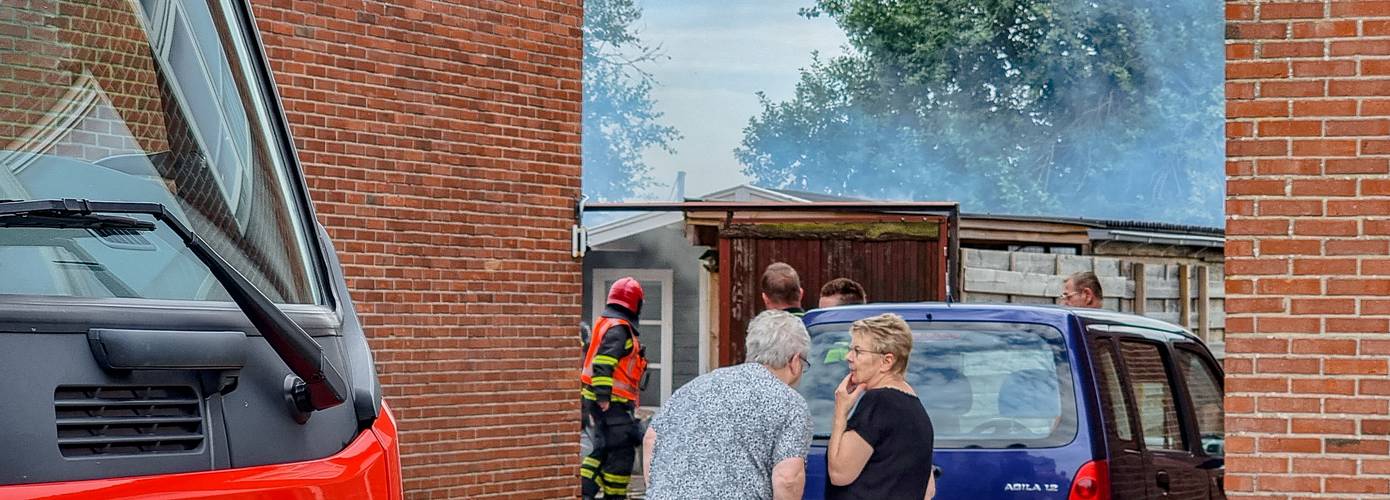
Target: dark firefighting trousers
(615, 434)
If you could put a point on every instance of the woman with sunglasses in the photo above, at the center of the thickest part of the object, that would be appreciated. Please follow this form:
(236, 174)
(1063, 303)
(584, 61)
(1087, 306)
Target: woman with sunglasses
(881, 440)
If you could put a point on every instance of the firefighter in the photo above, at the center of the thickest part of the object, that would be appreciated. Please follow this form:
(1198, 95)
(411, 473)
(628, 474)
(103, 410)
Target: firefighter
(613, 367)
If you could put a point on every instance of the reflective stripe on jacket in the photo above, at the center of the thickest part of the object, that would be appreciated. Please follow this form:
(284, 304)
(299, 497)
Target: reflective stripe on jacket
(620, 371)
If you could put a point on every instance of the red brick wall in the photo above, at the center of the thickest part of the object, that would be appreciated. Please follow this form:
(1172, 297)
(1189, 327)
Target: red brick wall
(1308, 249)
(441, 143)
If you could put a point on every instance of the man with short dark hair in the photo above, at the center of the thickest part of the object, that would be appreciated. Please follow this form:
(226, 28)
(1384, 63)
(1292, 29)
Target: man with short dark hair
(782, 288)
(841, 291)
(1082, 290)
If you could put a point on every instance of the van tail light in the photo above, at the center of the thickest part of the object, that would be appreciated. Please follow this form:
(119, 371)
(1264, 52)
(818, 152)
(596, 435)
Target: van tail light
(1092, 482)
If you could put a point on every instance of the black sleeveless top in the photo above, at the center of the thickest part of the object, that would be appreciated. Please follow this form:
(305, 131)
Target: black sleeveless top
(897, 426)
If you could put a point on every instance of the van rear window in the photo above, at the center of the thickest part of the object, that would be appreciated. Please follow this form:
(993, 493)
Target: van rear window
(985, 385)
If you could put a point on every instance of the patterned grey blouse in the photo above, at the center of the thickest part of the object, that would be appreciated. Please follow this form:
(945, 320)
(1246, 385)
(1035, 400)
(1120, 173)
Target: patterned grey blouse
(720, 435)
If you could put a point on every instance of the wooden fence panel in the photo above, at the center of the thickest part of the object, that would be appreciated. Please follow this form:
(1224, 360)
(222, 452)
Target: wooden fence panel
(1169, 292)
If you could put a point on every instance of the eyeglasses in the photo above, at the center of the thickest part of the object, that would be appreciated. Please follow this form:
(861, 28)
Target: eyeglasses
(1067, 295)
(860, 351)
(805, 364)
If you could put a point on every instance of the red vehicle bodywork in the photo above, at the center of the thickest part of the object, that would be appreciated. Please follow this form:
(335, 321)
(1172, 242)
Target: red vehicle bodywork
(368, 468)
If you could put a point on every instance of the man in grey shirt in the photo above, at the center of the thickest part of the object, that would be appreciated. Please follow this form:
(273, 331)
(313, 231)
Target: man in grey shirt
(741, 431)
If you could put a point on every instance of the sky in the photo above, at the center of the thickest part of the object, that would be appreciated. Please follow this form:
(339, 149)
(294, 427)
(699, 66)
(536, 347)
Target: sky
(720, 53)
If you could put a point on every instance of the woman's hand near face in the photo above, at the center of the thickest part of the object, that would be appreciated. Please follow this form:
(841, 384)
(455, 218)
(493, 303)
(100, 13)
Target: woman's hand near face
(847, 452)
(846, 394)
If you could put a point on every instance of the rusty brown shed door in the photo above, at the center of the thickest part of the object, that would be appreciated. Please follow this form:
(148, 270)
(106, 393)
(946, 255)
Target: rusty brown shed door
(896, 261)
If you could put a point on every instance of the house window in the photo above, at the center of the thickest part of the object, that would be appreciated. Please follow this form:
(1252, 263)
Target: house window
(654, 323)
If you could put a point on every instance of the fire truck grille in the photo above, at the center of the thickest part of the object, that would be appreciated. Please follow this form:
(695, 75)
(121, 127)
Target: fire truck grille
(127, 420)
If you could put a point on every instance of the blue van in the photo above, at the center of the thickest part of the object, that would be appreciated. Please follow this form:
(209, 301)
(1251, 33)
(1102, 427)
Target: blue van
(1043, 402)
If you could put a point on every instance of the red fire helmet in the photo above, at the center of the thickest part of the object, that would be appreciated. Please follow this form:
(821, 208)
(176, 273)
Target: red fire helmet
(626, 292)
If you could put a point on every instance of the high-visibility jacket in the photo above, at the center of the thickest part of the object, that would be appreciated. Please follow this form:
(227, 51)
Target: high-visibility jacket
(626, 369)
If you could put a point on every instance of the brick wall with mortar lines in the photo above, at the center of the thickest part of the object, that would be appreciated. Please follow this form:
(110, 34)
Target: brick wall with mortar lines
(441, 144)
(1308, 249)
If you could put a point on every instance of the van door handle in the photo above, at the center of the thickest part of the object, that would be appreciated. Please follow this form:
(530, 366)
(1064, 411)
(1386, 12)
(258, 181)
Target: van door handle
(1163, 480)
(167, 350)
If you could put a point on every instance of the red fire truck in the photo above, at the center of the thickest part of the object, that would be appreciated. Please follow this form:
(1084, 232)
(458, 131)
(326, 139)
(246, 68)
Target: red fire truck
(174, 323)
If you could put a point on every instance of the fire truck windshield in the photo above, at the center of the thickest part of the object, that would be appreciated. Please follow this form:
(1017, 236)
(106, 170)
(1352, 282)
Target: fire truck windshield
(150, 101)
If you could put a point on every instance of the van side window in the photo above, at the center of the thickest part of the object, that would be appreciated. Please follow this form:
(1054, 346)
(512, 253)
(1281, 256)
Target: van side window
(1158, 413)
(1206, 397)
(1115, 409)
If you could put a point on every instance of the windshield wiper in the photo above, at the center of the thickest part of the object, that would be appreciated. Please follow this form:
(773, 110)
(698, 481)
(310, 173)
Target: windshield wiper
(320, 386)
(69, 221)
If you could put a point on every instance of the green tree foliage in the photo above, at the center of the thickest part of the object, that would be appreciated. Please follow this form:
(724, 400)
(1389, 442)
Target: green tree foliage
(1078, 108)
(620, 120)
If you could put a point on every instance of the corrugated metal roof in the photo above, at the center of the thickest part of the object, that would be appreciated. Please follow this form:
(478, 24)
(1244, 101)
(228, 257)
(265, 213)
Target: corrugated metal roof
(1096, 223)
(1107, 223)
(939, 207)
(832, 200)
(810, 196)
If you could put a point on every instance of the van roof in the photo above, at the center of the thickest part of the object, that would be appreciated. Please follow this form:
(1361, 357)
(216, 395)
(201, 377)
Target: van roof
(941, 311)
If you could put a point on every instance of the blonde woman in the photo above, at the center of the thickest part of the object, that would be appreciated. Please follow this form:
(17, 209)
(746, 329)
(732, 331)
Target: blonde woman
(883, 449)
